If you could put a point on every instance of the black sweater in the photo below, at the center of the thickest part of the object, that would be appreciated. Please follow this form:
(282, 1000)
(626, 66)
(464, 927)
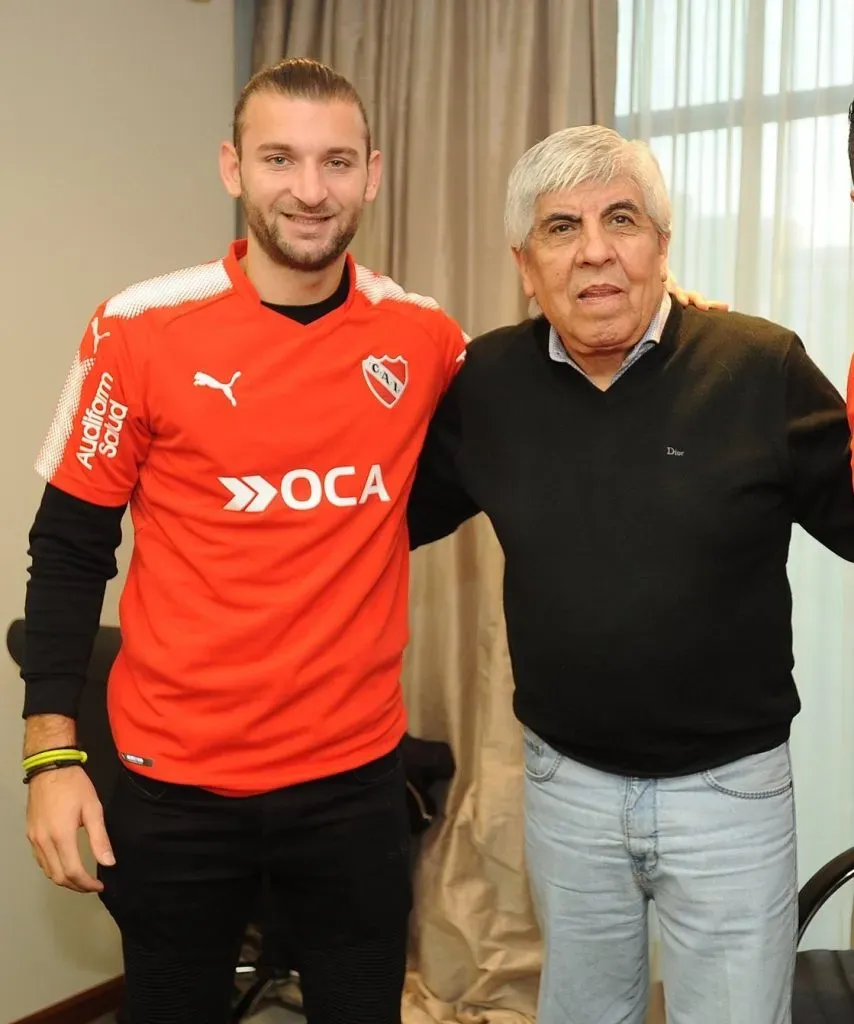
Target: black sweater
(646, 530)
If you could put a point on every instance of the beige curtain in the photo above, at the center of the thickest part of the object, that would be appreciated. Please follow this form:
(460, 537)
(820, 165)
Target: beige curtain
(456, 91)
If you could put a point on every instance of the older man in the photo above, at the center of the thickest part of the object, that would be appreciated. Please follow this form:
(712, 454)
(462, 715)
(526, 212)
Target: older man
(642, 465)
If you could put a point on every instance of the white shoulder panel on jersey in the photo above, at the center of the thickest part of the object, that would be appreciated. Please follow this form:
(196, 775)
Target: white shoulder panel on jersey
(190, 285)
(53, 449)
(376, 287)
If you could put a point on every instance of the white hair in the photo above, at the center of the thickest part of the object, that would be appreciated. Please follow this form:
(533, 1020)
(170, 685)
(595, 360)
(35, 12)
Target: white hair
(573, 156)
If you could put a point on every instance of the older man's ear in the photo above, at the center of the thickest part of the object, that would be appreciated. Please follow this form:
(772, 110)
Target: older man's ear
(690, 298)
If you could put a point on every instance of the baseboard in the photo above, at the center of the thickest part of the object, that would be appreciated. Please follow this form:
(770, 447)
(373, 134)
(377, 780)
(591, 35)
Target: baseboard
(82, 1008)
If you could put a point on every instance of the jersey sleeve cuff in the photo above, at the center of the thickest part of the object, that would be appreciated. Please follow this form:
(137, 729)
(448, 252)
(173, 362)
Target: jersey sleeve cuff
(85, 492)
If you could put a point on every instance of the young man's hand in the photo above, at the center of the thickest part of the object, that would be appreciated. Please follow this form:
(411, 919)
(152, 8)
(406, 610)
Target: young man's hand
(60, 803)
(691, 298)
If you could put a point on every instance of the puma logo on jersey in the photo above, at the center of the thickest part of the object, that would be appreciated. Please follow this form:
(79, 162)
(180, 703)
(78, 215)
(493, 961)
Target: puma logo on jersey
(387, 378)
(97, 338)
(204, 380)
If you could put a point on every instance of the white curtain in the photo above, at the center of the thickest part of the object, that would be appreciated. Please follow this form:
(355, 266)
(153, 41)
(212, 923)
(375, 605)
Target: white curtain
(744, 103)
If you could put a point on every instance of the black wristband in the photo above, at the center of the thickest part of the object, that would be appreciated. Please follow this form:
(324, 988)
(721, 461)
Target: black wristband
(50, 767)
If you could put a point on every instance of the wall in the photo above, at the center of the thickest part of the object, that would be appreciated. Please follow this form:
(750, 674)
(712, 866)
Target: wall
(111, 116)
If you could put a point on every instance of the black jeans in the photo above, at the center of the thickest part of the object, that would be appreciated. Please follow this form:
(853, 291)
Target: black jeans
(189, 866)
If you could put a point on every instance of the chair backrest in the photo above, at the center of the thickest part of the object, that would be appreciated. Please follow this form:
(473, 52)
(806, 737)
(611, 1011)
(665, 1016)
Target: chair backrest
(93, 726)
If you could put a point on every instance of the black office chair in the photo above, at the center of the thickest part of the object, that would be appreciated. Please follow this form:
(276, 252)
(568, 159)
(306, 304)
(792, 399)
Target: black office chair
(265, 967)
(824, 978)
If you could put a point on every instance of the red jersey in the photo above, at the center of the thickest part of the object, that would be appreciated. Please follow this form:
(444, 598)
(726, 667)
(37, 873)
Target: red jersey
(267, 465)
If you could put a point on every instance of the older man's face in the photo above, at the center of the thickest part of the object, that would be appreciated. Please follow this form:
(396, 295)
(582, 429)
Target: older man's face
(595, 264)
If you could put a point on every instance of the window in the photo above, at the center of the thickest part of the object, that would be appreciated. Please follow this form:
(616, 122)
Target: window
(744, 103)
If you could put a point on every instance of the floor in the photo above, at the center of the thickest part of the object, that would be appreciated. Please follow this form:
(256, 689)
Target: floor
(269, 1015)
(278, 1015)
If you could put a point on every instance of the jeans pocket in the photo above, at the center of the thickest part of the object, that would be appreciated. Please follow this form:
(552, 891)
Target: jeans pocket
(755, 777)
(541, 760)
(153, 789)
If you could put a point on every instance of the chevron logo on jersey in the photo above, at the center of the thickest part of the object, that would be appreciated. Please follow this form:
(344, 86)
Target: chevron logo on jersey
(387, 377)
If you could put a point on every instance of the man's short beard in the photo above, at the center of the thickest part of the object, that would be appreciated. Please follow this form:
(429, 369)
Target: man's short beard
(283, 253)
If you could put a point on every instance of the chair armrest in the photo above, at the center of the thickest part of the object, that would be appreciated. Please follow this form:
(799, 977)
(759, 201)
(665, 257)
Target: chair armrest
(823, 884)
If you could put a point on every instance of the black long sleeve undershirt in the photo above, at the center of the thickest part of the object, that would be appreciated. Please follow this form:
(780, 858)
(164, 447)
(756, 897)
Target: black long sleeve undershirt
(73, 550)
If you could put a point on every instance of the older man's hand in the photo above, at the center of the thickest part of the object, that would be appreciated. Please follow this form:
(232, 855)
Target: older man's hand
(691, 298)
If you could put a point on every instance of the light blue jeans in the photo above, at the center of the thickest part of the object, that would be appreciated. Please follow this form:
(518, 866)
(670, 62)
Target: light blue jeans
(716, 851)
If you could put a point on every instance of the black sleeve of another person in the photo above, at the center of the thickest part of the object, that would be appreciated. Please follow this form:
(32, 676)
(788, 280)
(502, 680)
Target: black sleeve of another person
(73, 550)
(819, 449)
(439, 503)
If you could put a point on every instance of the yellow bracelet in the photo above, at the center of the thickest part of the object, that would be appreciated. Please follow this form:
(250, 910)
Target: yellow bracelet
(71, 754)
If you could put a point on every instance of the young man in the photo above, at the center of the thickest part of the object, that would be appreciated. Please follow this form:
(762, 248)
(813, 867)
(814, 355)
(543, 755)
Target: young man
(262, 414)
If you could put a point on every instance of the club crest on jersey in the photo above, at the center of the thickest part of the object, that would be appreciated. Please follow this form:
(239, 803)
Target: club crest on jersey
(387, 377)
